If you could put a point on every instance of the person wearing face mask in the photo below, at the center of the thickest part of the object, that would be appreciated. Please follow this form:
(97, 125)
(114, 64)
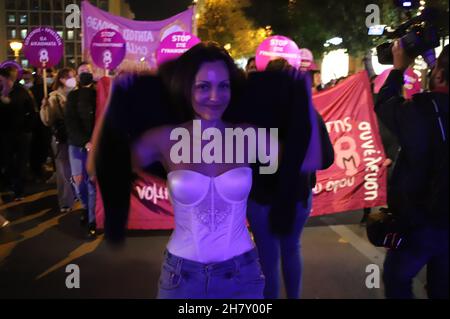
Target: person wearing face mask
(80, 119)
(52, 115)
(17, 113)
(28, 79)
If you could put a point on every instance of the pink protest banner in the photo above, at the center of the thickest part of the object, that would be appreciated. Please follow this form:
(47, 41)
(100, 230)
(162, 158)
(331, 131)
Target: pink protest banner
(108, 49)
(274, 47)
(150, 207)
(307, 59)
(411, 82)
(142, 37)
(43, 47)
(357, 178)
(174, 45)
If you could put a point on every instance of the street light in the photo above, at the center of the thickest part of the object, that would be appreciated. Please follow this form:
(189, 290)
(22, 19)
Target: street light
(16, 47)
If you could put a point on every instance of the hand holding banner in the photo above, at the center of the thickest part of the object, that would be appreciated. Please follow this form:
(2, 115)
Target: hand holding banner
(43, 47)
(108, 49)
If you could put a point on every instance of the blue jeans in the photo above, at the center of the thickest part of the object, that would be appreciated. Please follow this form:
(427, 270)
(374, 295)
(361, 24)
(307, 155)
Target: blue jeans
(86, 190)
(272, 248)
(237, 278)
(426, 246)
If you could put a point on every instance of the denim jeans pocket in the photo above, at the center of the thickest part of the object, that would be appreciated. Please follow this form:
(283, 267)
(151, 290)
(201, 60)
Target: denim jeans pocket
(250, 273)
(170, 278)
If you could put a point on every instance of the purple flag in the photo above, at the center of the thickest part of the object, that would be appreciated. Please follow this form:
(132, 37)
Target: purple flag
(142, 37)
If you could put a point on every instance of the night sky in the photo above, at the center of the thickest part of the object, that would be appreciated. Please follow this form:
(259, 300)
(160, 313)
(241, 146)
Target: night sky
(261, 12)
(157, 9)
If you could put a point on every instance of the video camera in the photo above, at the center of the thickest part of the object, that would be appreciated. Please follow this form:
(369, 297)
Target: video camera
(418, 36)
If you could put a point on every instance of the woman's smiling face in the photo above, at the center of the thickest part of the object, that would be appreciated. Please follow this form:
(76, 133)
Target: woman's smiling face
(211, 91)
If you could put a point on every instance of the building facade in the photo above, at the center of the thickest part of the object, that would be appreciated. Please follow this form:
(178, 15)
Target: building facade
(19, 17)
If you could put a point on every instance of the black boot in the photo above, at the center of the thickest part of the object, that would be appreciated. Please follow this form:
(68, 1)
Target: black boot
(92, 231)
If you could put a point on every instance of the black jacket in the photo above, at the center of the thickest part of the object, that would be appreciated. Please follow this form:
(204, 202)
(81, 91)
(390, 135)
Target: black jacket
(18, 116)
(264, 186)
(80, 115)
(422, 139)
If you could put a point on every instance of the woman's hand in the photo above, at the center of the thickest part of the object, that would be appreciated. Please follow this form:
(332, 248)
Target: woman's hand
(44, 102)
(401, 60)
(387, 162)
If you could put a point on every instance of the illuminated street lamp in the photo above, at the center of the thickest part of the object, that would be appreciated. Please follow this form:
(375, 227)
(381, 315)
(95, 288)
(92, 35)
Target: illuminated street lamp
(16, 47)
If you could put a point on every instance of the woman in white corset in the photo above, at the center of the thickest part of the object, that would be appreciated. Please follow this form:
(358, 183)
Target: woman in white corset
(210, 253)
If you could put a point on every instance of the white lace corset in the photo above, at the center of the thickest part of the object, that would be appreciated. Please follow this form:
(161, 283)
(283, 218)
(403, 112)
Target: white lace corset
(210, 214)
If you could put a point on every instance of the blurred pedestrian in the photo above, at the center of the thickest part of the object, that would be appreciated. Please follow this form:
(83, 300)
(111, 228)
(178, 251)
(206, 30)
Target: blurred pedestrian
(17, 115)
(80, 120)
(52, 115)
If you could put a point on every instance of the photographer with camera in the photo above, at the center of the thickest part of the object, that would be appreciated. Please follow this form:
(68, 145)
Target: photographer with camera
(418, 190)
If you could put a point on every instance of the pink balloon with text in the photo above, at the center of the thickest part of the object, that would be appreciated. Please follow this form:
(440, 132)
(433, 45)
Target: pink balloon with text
(174, 45)
(274, 47)
(43, 47)
(307, 59)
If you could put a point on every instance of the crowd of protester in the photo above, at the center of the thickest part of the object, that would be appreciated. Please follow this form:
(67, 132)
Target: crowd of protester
(45, 139)
(48, 138)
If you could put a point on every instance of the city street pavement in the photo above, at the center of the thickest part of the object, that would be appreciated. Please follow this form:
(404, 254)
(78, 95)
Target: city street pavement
(40, 242)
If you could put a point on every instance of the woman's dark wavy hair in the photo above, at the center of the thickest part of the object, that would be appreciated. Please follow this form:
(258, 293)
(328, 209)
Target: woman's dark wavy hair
(131, 112)
(186, 69)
